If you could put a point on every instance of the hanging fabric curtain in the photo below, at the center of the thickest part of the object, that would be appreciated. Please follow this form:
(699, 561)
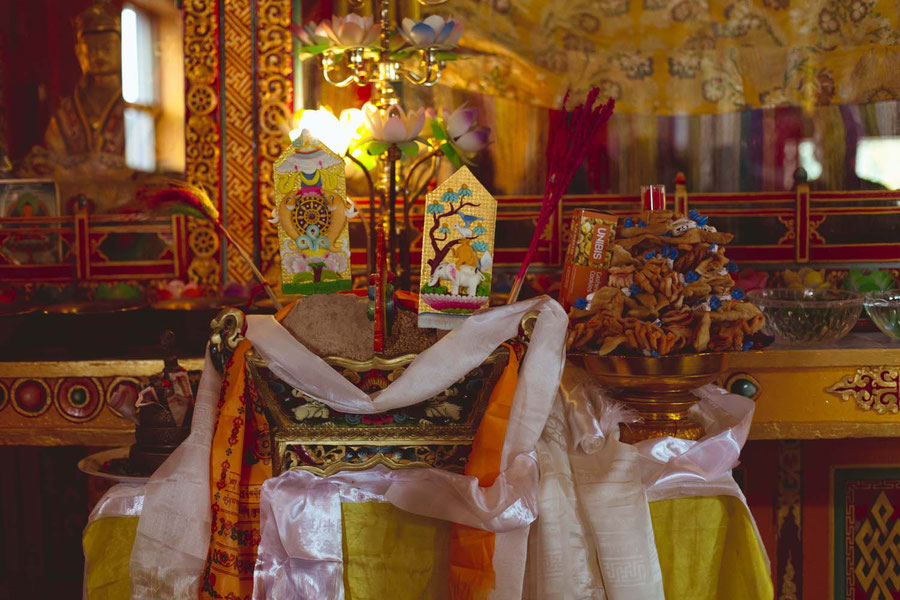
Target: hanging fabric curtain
(682, 56)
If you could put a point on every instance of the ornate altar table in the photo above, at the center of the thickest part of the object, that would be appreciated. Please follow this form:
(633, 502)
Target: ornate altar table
(592, 496)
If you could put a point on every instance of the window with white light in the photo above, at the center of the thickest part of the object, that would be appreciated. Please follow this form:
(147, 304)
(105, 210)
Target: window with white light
(139, 88)
(808, 160)
(876, 161)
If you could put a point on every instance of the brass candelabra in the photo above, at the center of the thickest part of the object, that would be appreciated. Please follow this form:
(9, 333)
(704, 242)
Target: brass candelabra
(358, 50)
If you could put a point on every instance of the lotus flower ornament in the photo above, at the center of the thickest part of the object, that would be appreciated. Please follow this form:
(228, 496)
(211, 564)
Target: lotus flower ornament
(313, 37)
(352, 31)
(460, 134)
(394, 126)
(433, 32)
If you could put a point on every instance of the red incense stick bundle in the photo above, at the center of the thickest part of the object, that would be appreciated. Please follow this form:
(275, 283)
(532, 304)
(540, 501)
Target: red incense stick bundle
(380, 278)
(569, 139)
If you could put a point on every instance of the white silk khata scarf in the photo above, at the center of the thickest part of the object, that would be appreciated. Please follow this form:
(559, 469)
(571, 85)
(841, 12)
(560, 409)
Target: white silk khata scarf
(173, 533)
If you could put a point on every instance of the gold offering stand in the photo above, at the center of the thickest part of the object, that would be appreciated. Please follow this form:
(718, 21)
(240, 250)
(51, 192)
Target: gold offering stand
(308, 435)
(659, 389)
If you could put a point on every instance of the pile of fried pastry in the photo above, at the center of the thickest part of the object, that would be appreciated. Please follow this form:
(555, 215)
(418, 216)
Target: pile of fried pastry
(669, 291)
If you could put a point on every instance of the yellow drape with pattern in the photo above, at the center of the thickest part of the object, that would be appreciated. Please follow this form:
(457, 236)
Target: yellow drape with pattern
(682, 56)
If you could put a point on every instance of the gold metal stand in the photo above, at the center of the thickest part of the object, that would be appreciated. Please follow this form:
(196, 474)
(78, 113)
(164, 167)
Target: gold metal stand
(658, 389)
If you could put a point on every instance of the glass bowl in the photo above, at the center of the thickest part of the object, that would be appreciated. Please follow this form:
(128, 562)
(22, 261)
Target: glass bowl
(884, 310)
(798, 317)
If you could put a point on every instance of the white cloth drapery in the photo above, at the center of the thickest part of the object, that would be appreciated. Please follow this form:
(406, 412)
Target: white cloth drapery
(173, 533)
(592, 489)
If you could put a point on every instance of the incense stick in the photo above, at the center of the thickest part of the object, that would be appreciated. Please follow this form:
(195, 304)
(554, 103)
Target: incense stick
(569, 139)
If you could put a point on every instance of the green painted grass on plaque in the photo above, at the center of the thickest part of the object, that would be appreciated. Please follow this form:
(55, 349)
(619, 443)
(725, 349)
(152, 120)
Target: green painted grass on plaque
(319, 287)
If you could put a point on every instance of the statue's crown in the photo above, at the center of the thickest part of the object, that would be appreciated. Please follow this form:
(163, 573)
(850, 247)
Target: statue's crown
(99, 17)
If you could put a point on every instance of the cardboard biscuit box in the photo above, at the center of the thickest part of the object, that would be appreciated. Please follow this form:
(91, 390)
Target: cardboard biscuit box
(587, 258)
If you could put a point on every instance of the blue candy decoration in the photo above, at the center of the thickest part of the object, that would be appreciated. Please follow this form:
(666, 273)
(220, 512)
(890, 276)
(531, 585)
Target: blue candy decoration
(691, 276)
(635, 289)
(731, 267)
(581, 303)
(693, 214)
(629, 222)
(701, 221)
(737, 294)
(669, 252)
(650, 254)
(748, 345)
(654, 354)
(715, 303)
(642, 224)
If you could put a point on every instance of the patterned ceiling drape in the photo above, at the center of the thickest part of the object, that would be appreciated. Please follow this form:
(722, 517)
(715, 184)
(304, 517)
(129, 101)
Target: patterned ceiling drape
(682, 56)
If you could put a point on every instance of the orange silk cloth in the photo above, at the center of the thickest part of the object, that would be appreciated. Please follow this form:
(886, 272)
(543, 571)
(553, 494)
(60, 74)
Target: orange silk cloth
(240, 461)
(472, 550)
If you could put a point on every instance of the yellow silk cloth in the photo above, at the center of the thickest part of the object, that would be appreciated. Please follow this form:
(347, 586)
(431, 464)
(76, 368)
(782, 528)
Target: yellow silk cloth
(107, 546)
(708, 550)
(390, 553)
(240, 461)
(471, 549)
(684, 56)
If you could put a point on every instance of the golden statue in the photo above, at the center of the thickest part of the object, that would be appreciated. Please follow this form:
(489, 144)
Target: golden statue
(84, 145)
(91, 120)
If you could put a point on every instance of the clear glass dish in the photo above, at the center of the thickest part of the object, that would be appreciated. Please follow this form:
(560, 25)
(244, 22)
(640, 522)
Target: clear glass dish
(884, 310)
(798, 317)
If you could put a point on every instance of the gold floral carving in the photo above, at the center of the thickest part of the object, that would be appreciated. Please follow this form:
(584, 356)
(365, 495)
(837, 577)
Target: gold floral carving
(331, 459)
(227, 331)
(203, 243)
(201, 68)
(275, 89)
(789, 519)
(873, 388)
(788, 585)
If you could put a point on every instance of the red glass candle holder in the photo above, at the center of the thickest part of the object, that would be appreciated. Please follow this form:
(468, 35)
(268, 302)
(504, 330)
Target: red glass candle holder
(653, 197)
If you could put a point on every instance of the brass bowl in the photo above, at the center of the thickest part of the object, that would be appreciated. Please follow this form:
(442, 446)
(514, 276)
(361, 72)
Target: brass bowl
(658, 389)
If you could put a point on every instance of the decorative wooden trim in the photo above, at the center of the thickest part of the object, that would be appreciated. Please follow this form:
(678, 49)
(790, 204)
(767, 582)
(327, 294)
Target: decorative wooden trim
(817, 430)
(274, 92)
(788, 521)
(238, 196)
(801, 224)
(202, 135)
